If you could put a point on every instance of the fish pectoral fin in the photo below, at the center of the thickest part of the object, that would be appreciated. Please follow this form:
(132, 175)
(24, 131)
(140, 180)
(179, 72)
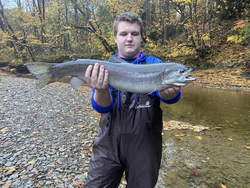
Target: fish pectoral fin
(76, 82)
(116, 60)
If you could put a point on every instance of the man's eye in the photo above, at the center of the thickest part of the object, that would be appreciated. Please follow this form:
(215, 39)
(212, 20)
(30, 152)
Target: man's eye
(135, 34)
(123, 34)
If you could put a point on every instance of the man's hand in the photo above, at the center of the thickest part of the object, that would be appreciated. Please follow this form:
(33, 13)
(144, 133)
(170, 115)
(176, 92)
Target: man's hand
(169, 93)
(98, 80)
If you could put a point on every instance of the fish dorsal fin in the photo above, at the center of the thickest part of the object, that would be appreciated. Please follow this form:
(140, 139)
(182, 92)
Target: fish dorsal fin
(116, 60)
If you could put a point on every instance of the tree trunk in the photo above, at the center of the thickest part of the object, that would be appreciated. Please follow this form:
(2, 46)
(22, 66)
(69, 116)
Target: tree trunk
(76, 21)
(166, 17)
(148, 14)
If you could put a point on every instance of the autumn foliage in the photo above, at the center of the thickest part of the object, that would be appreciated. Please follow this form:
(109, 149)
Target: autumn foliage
(60, 30)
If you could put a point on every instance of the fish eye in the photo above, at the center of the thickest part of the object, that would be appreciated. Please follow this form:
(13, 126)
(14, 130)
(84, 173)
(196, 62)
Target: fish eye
(182, 71)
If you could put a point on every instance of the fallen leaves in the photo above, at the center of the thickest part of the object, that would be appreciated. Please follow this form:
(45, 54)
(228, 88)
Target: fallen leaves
(199, 137)
(179, 137)
(223, 186)
(194, 172)
(14, 151)
(78, 183)
(223, 78)
(7, 183)
(247, 145)
(31, 162)
(171, 125)
(3, 130)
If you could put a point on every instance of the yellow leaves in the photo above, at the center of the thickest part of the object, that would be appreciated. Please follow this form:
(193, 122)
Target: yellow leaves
(223, 186)
(247, 145)
(151, 45)
(230, 139)
(235, 39)
(179, 137)
(182, 2)
(206, 37)
(181, 50)
(31, 162)
(199, 137)
(3, 130)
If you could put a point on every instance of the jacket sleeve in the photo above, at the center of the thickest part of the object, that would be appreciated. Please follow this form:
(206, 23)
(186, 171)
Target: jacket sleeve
(172, 101)
(101, 109)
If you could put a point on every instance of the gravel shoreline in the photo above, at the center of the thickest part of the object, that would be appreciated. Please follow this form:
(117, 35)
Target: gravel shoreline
(46, 134)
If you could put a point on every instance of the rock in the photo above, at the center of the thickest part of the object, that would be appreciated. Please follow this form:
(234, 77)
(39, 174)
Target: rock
(7, 156)
(8, 164)
(191, 166)
(48, 183)
(15, 176)
(59, 170)
(41, 182)
(60, 185)
(30, 167)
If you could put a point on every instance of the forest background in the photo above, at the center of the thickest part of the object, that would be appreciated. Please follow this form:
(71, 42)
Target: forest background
(201, 33)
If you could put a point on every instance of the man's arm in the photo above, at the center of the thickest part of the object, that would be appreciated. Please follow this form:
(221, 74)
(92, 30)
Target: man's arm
(99, 82)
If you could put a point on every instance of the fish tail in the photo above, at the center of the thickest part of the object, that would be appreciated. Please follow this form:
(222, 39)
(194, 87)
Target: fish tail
(41, 71)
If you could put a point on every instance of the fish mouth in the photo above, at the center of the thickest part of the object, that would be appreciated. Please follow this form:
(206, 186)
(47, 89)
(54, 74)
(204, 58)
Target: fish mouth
(185, 79)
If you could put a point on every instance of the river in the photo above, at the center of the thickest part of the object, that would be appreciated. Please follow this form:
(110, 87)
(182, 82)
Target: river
(221, 157)
(211, 108)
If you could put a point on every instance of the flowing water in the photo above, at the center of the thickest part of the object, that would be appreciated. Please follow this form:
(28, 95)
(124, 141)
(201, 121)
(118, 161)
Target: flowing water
(221, 157)
(211, 107)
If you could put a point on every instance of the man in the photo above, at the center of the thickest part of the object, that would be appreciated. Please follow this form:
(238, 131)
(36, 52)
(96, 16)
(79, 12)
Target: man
(130, 127)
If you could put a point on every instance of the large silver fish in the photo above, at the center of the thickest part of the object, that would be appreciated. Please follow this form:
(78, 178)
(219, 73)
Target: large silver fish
(125, 76)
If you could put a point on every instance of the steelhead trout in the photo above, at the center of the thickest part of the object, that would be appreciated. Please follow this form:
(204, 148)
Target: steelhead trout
(124, 76)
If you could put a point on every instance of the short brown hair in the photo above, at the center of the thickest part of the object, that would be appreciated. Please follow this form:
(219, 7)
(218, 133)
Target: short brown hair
(127, 17)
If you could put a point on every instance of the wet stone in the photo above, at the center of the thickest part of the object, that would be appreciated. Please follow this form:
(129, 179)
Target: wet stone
(48, 182)
(30, 167)
(6, 156)
(8, 164)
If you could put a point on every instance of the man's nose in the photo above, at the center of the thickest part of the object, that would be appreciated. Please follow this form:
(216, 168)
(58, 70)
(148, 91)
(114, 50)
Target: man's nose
(129, 38)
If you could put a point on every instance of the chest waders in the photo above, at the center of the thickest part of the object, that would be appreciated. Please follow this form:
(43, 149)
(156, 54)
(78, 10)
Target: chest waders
(129, 140)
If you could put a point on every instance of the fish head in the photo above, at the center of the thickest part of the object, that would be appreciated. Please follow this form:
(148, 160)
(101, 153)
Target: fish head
(178, 75)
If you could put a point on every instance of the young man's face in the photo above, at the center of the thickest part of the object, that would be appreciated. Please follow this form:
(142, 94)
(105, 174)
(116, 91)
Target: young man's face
(128, 39)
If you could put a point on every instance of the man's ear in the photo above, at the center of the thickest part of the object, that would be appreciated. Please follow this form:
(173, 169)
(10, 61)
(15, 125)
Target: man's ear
(115, 39)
